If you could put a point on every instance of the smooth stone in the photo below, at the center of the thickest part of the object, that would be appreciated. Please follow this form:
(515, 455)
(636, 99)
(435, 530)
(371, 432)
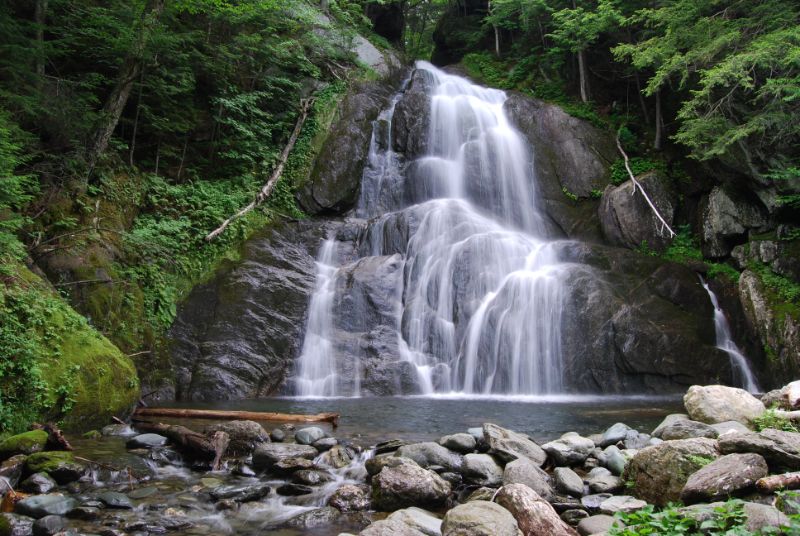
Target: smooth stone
(390, 527)
(337, 457)
(306, 436)
(567, 481)
(38, 483)
(718, 403)
(462, 443)
(293, 490)
(49, 525)
(621, 503)
(476, 432)
(326, 443)
(669, 420)
(391, 445)
(39, 506)
(455, 479)
(240, 493)
(430, 453)
(482, 469)
(146, 441)
(780, 449)
(311, 477)
(686, 429)
(277, 435)
(636, 440)
(408, 485)
(509, 445)
(113, 499)
(533, 514)
(592, 502)
(601, 480)
(614, 434)
(564, 503)
(17, 525)
(597, 524)
(61, 466)
(312, 519)
(419, 519)
(569, 449)
(617, 459)
(573, 517)
(267, 455)
(479, 518)
(724, 477)
(524, 471)
(376, 464)
(350, 498)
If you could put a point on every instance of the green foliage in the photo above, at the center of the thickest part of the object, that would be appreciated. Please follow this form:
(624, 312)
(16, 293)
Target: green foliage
(571, 196)
(771, 419)
(638, 166)
(685, 248)
(727, 519)
(15, 189)
(784, 288)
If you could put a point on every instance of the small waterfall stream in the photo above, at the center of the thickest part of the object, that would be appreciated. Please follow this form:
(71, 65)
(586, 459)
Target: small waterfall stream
(743, 374)
(479, 301)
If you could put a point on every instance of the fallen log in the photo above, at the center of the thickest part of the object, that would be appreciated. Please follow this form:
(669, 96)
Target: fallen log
(332, 418)
(776, 482)
(190, 442)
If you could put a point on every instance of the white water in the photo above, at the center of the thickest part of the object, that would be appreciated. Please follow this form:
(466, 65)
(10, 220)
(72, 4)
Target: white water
(743, 374)
(479, 303)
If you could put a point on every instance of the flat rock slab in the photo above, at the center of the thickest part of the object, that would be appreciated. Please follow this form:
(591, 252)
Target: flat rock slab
(266, 456)
(780, 449)
(724, 477)
(46, 505)
(509, 445)
(718, 403)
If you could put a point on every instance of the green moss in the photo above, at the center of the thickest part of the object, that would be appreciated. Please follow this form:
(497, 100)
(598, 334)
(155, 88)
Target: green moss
(49, 462)
(25, 443)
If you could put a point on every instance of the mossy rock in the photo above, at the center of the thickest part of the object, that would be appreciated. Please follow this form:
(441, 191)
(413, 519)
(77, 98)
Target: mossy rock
(25, 443)
(62, 466)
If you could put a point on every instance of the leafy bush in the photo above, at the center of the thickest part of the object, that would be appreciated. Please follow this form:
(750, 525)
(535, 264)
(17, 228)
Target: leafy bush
(771, 419)
(638, 166)
(15, 189)
(685, 248)
(727, 519)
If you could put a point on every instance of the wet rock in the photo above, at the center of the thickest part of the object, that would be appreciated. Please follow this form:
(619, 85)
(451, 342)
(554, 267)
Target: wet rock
(614, 434)
(601, 480)
(240, 493)
(412, 117)
(62, 466)
(598, 524)
(621, 503)
(16, 525)
(277, 435)
(318, 517)
(479, 518)
(718, 403)
(389, 446)
(49, 525)
(482, 469)
(375, 465)
(145, 527)
(569, 449)
(523, 471)
(143, 493)
(567, 481)
(244, 436)
(326, 443)
(390, 527)
(350, 498)
(11, 470)
(724, 477)
(39, 506)
(337, 457)
(287, 466)
(419, 519)
(25, 443)
(686, 429)
(306, 436)
(114, 499)
(659, 473)
(592, 502)
(429, 453)
(509, 445)
(86, 513)
(574, 516)
(310, 477)
(146, 441)
(534, 515)
(266, 456)
(780, 449)
(38, 483)
(462, 443)
(292, 490)
(408, 485)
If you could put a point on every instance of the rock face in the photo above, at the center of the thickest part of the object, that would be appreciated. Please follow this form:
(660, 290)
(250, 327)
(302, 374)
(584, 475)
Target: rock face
(713, 404)
(727, 217)
(724, 477)
(660, 472)
(236, 336)
(479, 518)
(626, 218)
(408, 485)
(336, 176)
(534, 515)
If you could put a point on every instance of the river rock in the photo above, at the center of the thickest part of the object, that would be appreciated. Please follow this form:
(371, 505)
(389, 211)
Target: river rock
(49, 525)
(660, 472)
(39, 506)
(294, 490)
(16, 525)
(62, 466)
(592, 502)
(408, 485)
(616, 459)
(337, 457)
(38, 483)
(25, 443)
(419, 519)
(480, 494)
(324, 444)
(597, 524)
(780, 449)
(724, 477)
(686, 429)
(11, 470)
(240, 493)
(319, 517)
(601, 480)
(390, 527)
(668, 420)
(244, 436)
(311, 477)
(567, 481)
(430, 453)
(350, 498)
(616, 433)
(146, 441)
(718, 403)
(621, 503)
(569, 449)
(277, 435)
(479, 518)
(462, 443)
(287, 466)
(534, 515)
(482, 469)
(524, 471)
(573, 517)
(391, 445)
(306, 436)
(509, 445)
(375, 465)
(267, 455)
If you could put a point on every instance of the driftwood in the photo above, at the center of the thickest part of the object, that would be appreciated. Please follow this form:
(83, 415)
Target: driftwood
(776, 482)
(55, 438)
(266, 190)
(332, 418)
(191, 442)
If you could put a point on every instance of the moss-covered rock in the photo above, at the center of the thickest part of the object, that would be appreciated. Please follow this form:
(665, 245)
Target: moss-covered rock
(62, 466)
(25, 443)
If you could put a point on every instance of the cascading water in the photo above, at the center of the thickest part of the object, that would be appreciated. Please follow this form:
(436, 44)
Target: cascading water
(479, 297)
(743, 374)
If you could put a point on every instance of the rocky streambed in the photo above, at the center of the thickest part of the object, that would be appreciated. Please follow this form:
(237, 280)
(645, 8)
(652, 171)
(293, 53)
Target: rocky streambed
(486, 480)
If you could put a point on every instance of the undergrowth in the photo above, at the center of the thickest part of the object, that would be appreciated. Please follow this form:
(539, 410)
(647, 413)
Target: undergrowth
(772, 419)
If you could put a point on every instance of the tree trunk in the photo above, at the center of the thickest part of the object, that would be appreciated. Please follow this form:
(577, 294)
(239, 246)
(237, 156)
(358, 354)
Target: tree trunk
(773, 483)
(642, 102)
(657, 142)
(190, 442)
(136, 119)
(40, 16)
(332, 418)
(582, 76)
(129, 72)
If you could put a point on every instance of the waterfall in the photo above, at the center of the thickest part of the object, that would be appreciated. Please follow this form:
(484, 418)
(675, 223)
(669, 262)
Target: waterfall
(743, 375)
(479, 299)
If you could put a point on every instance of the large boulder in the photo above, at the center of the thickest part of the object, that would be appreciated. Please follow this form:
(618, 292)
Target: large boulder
(430, 453)
(724, 477)
(569, 449)
(25, 443)
(726, 217)
(627, 219)
(334, 182)
(509, 445)
(420, 520)
(482, 469)
(685, 429)
(411, 118)
(244, 436)
(479, 518)
(534, 515)
(62, 466)
(39, 506)
(718, 403)
(780, 449)
(660, 472)
(524, 471)
(268, 455)
(408, 485)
